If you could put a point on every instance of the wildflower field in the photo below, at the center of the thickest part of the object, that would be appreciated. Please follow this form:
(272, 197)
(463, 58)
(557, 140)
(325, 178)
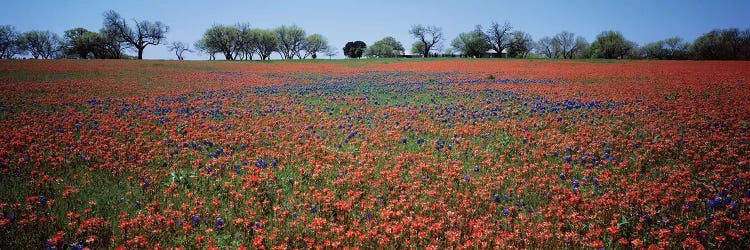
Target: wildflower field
(374, 154)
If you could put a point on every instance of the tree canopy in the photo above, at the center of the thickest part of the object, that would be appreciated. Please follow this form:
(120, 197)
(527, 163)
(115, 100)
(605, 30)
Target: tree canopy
(354, 49)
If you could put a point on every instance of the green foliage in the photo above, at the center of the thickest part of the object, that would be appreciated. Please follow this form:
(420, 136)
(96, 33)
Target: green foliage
(291, 40)
(417, 47)
(386, 47)
(42, 44)
(612, 45)
(220, 39)
(723, 44)
(354, 49)
(520, 44)
(471, 44)
(314, 44)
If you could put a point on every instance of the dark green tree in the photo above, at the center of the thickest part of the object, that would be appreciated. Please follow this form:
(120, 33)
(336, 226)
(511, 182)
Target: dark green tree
(354, 49)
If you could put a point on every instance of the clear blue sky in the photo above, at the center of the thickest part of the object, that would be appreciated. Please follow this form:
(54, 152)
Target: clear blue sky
(641, 21)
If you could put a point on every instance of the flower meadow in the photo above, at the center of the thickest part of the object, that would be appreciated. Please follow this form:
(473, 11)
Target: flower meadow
(374, 154)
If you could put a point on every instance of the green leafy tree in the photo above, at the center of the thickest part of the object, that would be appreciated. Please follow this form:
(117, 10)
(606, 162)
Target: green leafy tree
(472, 44)
(81, 43)
(417, 48)
(220, 39)
(291, 40)
(354, 49)
(265, 43)
(315, 44)
(723, 44)
(611, 45)
(386, 47)
(42, 44)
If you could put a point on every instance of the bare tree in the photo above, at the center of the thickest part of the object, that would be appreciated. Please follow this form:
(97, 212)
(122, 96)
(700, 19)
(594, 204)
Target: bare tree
(429, 36)
(569, 45)
(331, 52)
(179, 48)
(145, 32)
(8, 42)
(499, 36)
(547, 47)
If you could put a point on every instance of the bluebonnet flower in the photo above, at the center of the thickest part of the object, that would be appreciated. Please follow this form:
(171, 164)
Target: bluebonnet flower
(291, 181)
(733, 204)
(219, 225)
(403, 140)
(295, 214)
(261, 163)
(555, 154)
(76, 246)
(596, 181)
(368, 216)
(314, 209)
(562, 176)
(496, 198)
(420, 141)
(146, 183)
(476, 169)
(735, 182)
(710, 217)
(711, 204)
(568, 158)
(575, 191)
(506, 212)
(196, 220)
(137, 204)
(575, 183)
(467, 178)
(42, 201)
(424, 178)
(647, 218)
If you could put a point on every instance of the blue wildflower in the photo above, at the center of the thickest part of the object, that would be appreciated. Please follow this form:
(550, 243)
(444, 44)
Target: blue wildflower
(568, 158)
(42, 201)
(261, 163)
(137, 204)
(496, 198)
(76, 246)
(476, 169)
(314, 209)
(219, 225)
(562, 176)
(196, 220)
(506, 212)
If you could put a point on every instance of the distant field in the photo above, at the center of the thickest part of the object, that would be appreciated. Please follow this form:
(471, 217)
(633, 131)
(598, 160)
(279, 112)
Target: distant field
(399, 153)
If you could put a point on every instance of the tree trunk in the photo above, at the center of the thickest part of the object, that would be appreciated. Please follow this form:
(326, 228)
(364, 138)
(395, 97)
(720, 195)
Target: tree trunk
(140, 53)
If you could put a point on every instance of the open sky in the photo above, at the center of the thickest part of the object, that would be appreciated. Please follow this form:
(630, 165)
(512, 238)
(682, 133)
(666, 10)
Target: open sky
(641, 21)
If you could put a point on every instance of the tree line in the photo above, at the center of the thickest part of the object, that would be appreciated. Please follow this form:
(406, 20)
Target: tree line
(241, 42)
